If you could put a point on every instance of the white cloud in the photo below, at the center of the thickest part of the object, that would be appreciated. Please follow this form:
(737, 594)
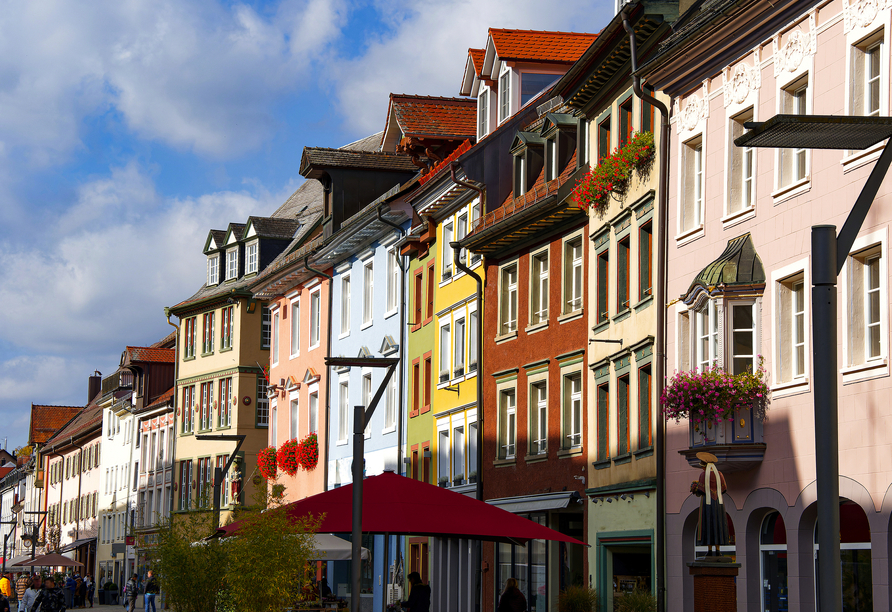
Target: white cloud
(196, 75)
(425, 52)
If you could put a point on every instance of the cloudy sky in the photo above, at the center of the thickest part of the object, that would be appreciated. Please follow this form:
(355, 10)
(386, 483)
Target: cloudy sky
(129, 129)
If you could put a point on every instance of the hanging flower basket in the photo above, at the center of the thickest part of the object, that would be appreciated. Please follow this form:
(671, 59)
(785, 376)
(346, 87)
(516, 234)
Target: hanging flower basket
(613, 173)
(266, 462)
(309, 452)
(712, 396)
(288, 456)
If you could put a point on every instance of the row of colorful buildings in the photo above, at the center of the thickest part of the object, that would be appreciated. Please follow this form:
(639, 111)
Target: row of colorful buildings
(534, 334)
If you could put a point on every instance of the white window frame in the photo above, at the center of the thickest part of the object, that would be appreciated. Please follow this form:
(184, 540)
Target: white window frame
(693, 162)
(447, 271)
(444, 351)
(483, 112)
(572, 410)
(232, 263)
(459, 345)
(708, 313)
(252, 257)
(569, 266)
(313, 412)
(538, 414)
(368, 293)
(859, 40)
(274, 342)
(506, 101)
(507, 433)
(366, 388)
(391, 401)
(444, 460)
(315, 311)
(343, 408)
(213, 270)
(508, 296)
(473, 215)
(266, 326)
(346, 298)
(786, 94)
(457, 449)
(741, 169)
(294, 414)
(781, 331)
(729, 308)
(472, 341)
(394, 276)
(295, 327)
(539, 286)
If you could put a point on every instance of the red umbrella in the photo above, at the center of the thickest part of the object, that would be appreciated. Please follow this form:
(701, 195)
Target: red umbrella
(402, 506)
(50, 560)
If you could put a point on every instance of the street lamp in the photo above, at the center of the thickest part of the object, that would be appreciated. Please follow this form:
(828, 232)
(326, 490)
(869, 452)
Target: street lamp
(361, 416)
(218, 471)
(828, 253)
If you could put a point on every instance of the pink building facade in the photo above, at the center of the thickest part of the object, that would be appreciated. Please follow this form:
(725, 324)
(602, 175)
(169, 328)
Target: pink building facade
(749, 212)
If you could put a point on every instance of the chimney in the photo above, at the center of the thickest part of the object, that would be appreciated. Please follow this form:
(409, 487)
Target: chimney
(94, 385)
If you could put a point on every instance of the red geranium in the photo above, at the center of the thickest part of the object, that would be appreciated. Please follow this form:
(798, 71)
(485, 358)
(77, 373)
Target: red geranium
(613, 173)
(266, 462)
(309, 452)
(288, 456)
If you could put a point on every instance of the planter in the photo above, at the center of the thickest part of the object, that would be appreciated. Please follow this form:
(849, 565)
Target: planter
(443, 483)
(457, 482)
(111, 598)
(101, 597)
(472, 479)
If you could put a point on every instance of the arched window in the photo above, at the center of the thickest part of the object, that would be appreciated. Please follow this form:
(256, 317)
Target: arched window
(855, 565)
(773, 555)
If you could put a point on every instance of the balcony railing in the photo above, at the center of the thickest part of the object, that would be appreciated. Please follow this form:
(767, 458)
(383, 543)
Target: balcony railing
(121, 379)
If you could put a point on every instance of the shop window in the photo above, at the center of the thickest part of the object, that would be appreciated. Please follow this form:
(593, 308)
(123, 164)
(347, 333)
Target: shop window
(773, 560)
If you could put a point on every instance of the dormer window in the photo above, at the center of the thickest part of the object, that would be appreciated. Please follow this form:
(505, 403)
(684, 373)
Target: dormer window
(532, 84)
(251, 259)
(504, 95)
(519, 175)
(551, 160)
(213, 269)
(232, 263)
(483, 113)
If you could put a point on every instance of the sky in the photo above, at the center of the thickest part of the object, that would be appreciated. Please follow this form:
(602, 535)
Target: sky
(129, 129)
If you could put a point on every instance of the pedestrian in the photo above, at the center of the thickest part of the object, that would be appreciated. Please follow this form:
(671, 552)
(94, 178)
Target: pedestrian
(26, 601)
(13, 594)
(68, 591)
(512, 600)
(50, 599)
(89, 586)
(131, 590)
(21, 585)
(419, 595)
(78, 592)
(5, 585)
(151, 591)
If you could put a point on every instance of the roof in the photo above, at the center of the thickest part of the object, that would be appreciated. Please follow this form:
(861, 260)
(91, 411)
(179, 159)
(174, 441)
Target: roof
(477, 56)
(273, 227)
(540, 45)
(6, 470)
(739, 264)
(436, 170)
(47, 420)
(158, 355)
(435, 116)
(162, 399)
(237, 229)
(168, 341)
(321, 157)
(219, 237)
(87, 419)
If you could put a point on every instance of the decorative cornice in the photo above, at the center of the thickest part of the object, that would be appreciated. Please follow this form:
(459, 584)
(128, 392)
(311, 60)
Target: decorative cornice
(799, 46)
(739, 82)
(861, 13)
(696, 110)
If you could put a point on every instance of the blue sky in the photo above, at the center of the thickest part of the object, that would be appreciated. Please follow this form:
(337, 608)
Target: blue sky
(129, 129)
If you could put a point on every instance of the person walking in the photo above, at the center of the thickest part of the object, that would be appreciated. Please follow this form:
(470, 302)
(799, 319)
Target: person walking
(512, 600)
(68, 591)
(419, 595)
(5, 586)
(13, 596)
(88, 586)
(21, 585)
(151, 591)
(131, 590)
(26, 601)
(50, 599)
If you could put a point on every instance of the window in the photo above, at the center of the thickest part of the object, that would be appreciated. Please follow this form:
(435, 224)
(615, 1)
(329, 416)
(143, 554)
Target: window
(367, 398)
(743, 338)
(274, 358)
(647, 112)
(188, 407)
(295, 328)
(224, 488)
(391, 399)
(204, 480)
(644, 399)
(791, 349)
(368, 292)
(472, 341)
(573, 410)
(623, 430)
(645, 270)
(539, 287)
(692, 177)
(507, 424)
(232, 263)
(189, 333)
(315, 303)
(538, 418)
(185, 484)
(623, 270)
(419, 284)
(428, 382)
(393, 280)
(504, 96)
(865, 275)
(343, 399)
(262, 401)
(603, 280)
(475, 214)
(345, 304)
(793, 162)
(207, 405)
(226, 327)
(314, 412)
(483, 113)
(294, 417)
(251, 259)
(508, 306)
(520, 178)
(265, 327)
(213, 269)
(741, 194)
(458, 350)
(430, 292)
(416, 388)
(444, 353)
(707, 332)
(447, 251)
(458, 455)
(603, 139)
(443, 456)
(551, 162)
(461, 231)
(532, 83)
(603, 422)
(867, 77)
(625, 122)
(472, 448)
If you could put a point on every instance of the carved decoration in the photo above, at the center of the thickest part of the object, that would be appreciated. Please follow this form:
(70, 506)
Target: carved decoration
(861, 13)
(694, 111)
(799, 46)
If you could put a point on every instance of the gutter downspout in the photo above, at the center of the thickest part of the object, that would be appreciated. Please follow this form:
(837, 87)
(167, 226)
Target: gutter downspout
(327, 352)
(176, 376)
(399, 424)
(660, 298)
(456, 250)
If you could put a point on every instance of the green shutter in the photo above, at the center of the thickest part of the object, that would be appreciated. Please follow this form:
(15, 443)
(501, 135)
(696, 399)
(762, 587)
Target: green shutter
(622, 389)
(603, 406)
(602, 287)
(644, 391)
(622, 276)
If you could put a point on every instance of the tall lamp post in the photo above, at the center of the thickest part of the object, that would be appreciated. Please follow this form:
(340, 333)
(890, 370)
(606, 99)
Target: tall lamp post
(218, 471)
(828, 257)
(361, 417)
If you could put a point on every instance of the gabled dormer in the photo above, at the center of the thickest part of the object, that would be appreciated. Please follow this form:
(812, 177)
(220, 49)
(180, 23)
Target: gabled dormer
(213, 249)
(559, 133)
(232, 250)
(264, 238)
(529, 157)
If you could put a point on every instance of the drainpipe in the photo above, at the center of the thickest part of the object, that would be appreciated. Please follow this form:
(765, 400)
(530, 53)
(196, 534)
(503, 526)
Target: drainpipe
(456, 250)
(327, 352)
(660, 299)
(176, 375)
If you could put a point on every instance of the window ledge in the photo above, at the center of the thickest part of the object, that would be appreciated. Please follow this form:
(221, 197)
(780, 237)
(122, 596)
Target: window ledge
(390, 313)
(793, 189)
(622, 316)
(315, 346)
(621, 459)
(799, 385)
(601, 465)
(571, 316)
(445, 281)
(504, 462)
(341, 443)
(343, 335)
(221, 427)
(189, 358)
(295, 356)
(261, 426)
(536, 458)
(207, 354)
(366, 325)
(690, 235)
(532, 329)
(226, 350)
(863, 371)
(644, 303)
(641, 453)
(740, 216)
(569, 452)
(597, 329)
(506, 337)
(859, 158)
(388, 430)
(443, 384)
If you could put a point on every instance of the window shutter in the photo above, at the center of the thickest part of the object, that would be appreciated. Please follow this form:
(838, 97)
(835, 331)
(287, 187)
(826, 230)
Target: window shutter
(602, 287)
(622, 276)
(622, 385)
(644, 407)
(603, 420)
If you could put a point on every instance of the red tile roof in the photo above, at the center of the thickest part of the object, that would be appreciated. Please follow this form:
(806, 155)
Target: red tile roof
(540, 46)
(160, 355)
(47, 420)
(477, 56)
(5, 470)
(435, 116)
(162, 399)
(88, 420)
(462, 148)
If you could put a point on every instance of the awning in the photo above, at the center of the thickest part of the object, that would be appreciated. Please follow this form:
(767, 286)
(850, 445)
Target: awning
(77, 544)
(536, 503)
(18, 559)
